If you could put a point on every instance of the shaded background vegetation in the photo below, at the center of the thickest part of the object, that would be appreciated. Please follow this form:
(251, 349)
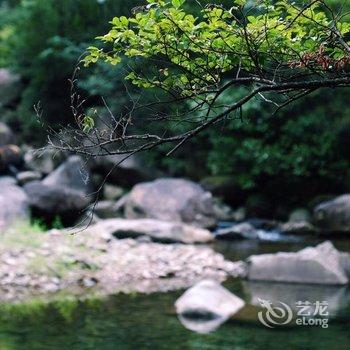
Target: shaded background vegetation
(261, 158)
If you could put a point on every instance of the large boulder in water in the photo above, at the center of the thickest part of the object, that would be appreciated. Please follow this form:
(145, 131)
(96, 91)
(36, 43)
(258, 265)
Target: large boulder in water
(334, 215)
(322, 264)
(64, 192)
(206, 305)
(14, 204)
(174, 200)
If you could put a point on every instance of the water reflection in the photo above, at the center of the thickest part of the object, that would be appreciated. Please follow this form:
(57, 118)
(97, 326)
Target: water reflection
(337, 297)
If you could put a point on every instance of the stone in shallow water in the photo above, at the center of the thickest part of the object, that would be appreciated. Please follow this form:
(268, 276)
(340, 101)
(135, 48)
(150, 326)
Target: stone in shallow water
(207, 305)
(322, 264)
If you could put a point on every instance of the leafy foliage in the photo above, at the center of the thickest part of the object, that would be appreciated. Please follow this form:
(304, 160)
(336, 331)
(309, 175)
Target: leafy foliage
(198, 51)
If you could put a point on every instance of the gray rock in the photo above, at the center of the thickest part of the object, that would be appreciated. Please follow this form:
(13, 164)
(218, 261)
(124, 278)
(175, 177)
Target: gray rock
(333, 215)
(175, 200)
(123, 172)
(7, 181)
(64, 191)
(14, 205)
(315, 265)
(106, 209)
(210, 301)
(6, 135)
(72, 174)
(43, 160)
(345, 262)
(157, 230)
(112, 192)
(55, 199)
(28, 176)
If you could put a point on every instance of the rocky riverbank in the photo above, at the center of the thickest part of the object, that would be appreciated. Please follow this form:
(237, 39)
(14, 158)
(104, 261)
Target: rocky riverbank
(45, 263)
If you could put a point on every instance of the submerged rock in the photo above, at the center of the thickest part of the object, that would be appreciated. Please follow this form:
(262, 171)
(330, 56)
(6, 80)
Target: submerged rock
(163, 231)
(175, 200)
(322, 264)
(207, 305)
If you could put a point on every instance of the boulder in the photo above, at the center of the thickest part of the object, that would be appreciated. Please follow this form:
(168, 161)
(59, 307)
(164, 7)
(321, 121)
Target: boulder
(333, 215)
(174, 200)
(112, 192)
(55, 200)
(208, 301)
(300, 222)
(28, 176)
(106, 209)
(9, 87)
(7, 181)
(10, 158)
(125, 173)
(158, 230)
(14, 205)
(322, 264)
(6, 135)
(64, 192)
(43, 160)
(72, 174)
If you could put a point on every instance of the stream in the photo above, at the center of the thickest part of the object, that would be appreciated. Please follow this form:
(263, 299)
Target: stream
(149, 321)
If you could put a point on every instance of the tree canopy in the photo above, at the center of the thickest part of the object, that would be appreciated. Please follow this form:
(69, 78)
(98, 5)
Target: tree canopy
(278, 51)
